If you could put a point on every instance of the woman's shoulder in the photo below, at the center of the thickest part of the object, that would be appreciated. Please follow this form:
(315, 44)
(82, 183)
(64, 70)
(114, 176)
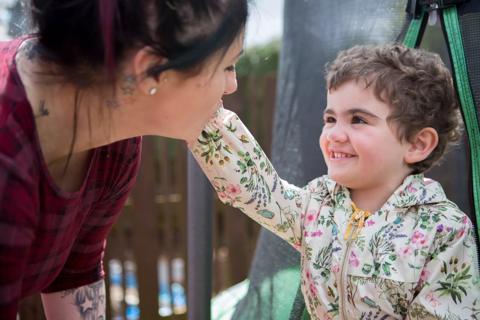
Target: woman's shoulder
(120, 160)
(116, 167)
(8, 51)
(124, 152)
(14, 107)
(17, 133)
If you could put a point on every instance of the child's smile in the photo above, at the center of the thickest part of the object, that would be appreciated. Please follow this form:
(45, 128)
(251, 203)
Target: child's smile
(338, 156)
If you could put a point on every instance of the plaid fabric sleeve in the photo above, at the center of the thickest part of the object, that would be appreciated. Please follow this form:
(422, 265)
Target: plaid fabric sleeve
(17, 229)
(84, 264)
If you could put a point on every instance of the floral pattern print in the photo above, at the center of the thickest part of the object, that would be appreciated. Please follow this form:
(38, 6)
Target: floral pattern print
(414, 258)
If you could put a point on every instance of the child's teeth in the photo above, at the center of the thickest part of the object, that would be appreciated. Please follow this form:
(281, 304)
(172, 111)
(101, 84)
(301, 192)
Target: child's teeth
(339, 155)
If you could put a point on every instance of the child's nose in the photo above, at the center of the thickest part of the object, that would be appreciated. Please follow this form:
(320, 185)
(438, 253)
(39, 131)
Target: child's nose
(337, 134)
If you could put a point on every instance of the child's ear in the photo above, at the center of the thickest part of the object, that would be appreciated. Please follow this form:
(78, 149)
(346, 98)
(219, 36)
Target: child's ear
(422, 144)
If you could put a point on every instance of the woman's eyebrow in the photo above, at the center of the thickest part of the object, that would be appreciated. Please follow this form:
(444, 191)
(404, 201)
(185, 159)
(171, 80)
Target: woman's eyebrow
(238, 55)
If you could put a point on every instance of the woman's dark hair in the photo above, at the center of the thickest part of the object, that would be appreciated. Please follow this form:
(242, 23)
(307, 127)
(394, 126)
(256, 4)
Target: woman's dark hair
(85, 40)
(82, 37)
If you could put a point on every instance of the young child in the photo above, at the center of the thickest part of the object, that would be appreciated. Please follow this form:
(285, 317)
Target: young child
(377, 239)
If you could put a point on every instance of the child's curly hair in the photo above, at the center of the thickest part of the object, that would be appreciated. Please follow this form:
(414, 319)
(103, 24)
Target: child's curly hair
(413, 82)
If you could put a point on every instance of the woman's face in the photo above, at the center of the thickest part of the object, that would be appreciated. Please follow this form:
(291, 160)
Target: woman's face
(185, 104)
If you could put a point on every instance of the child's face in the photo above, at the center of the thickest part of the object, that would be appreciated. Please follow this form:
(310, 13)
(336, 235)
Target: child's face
(359, 146)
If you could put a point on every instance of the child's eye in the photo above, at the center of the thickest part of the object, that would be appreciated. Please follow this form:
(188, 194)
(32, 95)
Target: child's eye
(230, 68)
(328, 119)
(358, 120)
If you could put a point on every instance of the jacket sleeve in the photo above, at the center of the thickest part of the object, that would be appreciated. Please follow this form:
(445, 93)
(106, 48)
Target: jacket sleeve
(243, 177)
(449, 286)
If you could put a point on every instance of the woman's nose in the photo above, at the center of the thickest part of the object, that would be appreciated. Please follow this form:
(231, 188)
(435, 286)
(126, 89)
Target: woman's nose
(231, 84)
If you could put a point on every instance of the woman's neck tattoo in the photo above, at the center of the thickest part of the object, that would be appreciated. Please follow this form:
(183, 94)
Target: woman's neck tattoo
(128, 84)
(30, 49)
(112, 103)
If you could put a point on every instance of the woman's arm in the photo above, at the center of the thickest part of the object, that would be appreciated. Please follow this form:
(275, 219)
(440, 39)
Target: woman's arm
(86, 302)
(243, 177)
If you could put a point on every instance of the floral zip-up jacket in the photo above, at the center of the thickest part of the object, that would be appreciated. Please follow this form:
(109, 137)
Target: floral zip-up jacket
(414, 258)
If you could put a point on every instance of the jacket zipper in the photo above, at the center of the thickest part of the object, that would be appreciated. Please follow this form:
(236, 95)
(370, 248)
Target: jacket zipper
(343, 277)
(356, 223)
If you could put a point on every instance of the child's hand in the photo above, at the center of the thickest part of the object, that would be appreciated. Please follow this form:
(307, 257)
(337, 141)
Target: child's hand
(191, 141)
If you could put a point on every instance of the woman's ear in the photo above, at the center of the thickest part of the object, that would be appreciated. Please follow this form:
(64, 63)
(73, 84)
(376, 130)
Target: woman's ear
(422, 144)
(142, 61)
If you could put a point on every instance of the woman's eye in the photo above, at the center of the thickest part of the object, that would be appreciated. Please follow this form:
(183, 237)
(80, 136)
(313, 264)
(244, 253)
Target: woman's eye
(230, 68)
(357, 119)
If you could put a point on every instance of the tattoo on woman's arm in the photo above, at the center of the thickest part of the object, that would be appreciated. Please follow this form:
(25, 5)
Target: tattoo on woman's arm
(88, 300)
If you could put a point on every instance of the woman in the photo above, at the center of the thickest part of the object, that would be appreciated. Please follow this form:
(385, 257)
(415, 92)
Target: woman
(75, 97)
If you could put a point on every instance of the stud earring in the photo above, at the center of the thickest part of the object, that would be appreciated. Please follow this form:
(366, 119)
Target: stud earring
(152, 91)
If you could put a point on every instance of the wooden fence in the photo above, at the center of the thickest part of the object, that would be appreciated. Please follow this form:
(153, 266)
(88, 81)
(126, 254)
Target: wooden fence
(146, 256)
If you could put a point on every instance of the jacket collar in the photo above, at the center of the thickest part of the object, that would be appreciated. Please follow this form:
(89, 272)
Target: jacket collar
(415, 190)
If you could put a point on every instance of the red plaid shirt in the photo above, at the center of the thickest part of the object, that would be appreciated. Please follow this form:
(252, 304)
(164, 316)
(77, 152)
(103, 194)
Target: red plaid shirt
(51, 240)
